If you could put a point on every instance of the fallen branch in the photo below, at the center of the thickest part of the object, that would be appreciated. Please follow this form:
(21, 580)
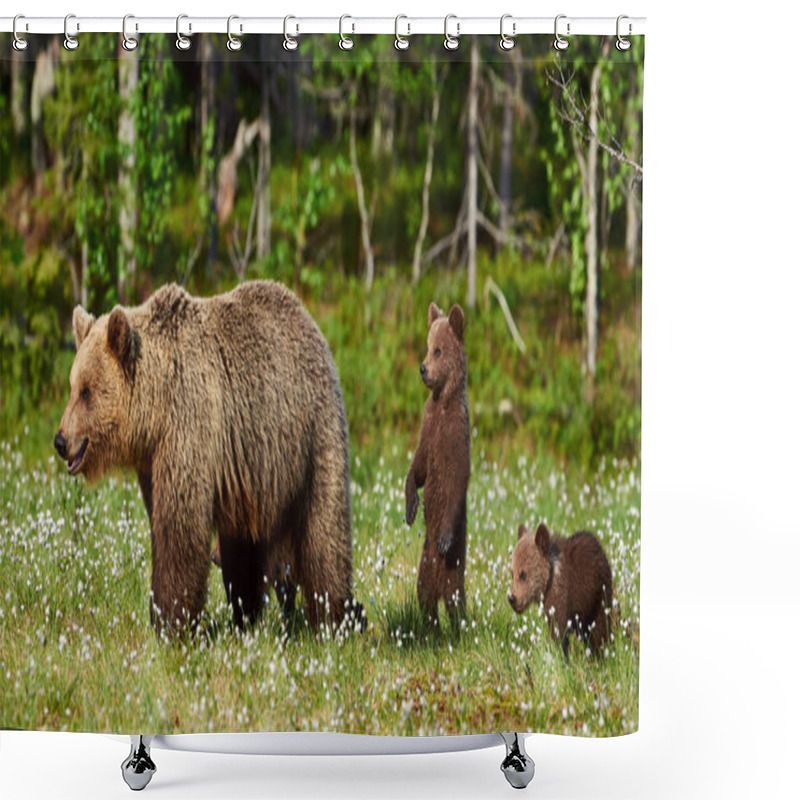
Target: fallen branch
(492, 287)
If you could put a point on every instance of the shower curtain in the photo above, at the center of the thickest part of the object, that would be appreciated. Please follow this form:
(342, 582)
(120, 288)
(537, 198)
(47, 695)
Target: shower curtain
(256, 277)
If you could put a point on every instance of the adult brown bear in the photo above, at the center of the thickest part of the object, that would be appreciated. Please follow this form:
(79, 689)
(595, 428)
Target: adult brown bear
(230, 410)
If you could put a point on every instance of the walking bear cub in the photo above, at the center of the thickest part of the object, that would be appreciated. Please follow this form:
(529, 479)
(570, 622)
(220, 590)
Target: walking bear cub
(571, 577)
(441, 465)
(229, 408)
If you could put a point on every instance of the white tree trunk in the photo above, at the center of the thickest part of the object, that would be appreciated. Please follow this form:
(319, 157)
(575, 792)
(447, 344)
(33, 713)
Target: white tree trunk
(591, 309)
(20, 105)
(208, 176)
(363, 213)
(506, 145)
(128, 62)
(426, 188)
(631, 228)
(472, 173)
(42, 85)
(264, 222)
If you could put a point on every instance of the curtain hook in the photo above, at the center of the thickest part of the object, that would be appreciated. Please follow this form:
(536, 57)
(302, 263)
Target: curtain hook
(401, 42)
(182, 42)
(345, 42)
(289, 42)
(70, 42)
(19, 44)
(129, 43)
(507, 42)
(234, 44)
(560, 42)
(451, 42)
(623, 44)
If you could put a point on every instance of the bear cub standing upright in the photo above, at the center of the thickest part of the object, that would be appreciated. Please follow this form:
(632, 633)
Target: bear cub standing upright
(441, 465)
(571, 577)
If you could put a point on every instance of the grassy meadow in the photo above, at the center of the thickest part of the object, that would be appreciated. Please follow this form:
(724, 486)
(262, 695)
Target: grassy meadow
(78, 652)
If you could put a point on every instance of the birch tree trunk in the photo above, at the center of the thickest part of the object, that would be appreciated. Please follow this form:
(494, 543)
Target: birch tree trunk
(591, 242)
(631, 228)
(128, 62)
(43, 84)
(506, 144)
(426, 188)
(472, 173)
(264, 220)
(20, 103)
(208, 183)
(363, 213)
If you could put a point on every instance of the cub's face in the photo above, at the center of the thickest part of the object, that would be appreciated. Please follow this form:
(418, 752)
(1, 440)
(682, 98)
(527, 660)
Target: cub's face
(445, 359)
(530, 567)
(92, 427)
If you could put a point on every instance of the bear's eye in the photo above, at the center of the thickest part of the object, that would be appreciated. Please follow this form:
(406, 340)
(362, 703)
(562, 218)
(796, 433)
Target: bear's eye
(522, 575)
(437, 352)
(85, 393)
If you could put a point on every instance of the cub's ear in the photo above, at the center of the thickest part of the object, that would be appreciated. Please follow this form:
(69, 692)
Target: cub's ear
(434, 312)
(542, 538)
(123, 341)
(82, 322)
(456, 320)
(521, 531)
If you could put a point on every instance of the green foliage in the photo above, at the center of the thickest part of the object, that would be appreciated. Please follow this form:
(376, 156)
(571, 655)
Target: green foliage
(378, 340)
(32, 289)
(297, 214)
(158, 135)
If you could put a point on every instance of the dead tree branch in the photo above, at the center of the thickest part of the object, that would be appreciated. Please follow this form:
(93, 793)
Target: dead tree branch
(575, 114)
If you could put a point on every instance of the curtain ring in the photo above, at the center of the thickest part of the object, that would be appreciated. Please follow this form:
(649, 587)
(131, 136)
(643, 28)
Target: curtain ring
(234, 44)
(129, 43)
(19, 44)
(507, 42)
(70, 42)
(560, 42)
(401, 42)
(345, 42)
(289, 42)
(623, 44)
(451, 42)
(182, 42)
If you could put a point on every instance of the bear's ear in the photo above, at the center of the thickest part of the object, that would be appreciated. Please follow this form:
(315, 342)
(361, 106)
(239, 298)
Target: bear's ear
(434, 312)
(82, 322)
(456, 320)
(521, 531)
(542, 538)
(123, 341)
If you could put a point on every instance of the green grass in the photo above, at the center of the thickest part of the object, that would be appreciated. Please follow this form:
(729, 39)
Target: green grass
(77, 651)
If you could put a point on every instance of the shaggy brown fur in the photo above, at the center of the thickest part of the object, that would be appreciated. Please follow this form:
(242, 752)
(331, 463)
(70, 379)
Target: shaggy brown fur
(441, 465)
(230, 411)
(571, 577)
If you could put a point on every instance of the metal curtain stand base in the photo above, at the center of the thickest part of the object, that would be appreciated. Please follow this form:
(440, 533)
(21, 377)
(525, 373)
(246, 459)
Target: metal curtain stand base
(139, 767)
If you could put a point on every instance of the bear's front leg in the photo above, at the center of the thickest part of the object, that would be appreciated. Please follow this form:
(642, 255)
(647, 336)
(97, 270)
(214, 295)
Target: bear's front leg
(181, 541)
(412, 499)
(417, 472)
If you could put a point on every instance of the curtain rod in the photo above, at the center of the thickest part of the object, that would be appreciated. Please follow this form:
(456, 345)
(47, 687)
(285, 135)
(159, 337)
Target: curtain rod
(402, 25)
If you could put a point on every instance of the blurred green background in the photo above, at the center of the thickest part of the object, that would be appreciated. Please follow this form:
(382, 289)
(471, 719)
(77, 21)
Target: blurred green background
(371, 183)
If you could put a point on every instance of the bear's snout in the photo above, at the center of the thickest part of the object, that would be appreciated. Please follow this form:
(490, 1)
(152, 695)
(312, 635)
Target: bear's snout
(512, 600)
(423, 370)
(61, 445)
